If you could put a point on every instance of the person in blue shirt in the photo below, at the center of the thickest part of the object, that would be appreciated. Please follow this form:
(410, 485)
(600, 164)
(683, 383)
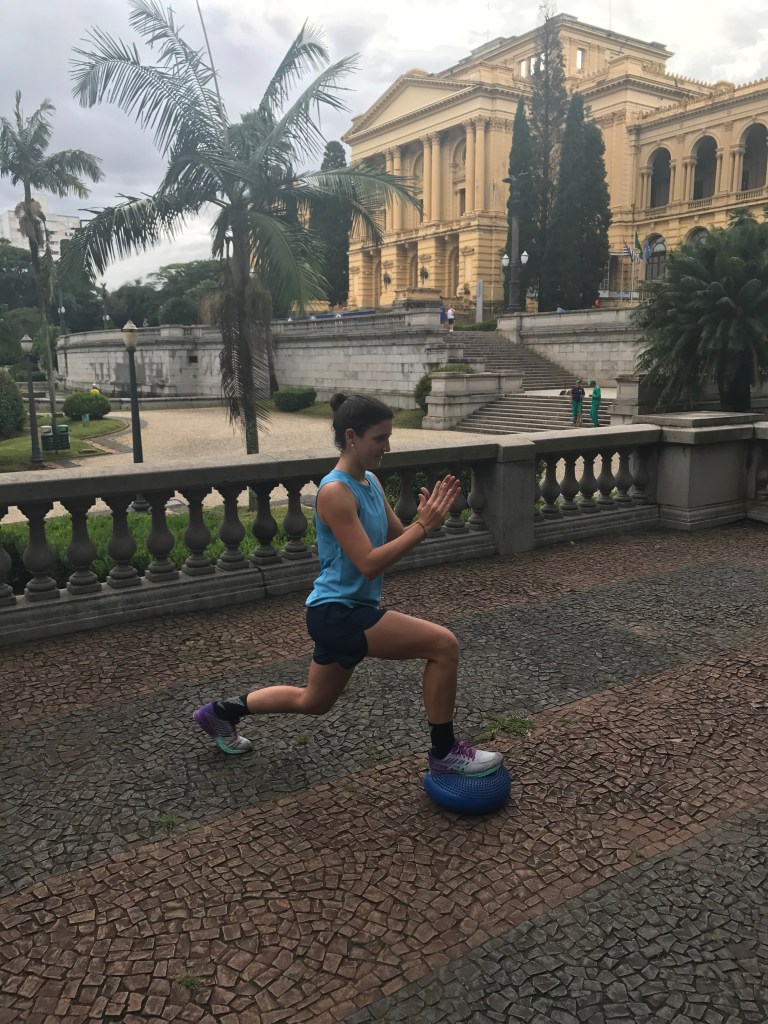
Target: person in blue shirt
(359, 537)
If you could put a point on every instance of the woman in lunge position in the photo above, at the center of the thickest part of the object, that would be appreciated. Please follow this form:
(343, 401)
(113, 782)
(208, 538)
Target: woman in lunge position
(359, 537)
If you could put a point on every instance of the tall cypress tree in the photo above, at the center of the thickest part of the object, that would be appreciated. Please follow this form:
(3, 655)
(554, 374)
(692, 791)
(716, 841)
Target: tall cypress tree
(521, 163)
(331, 222)
(549, 102)
(577, 243)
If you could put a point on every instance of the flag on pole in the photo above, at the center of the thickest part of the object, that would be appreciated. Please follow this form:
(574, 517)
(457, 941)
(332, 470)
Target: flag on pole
(638, 247)
(647, 251)
(626, 251)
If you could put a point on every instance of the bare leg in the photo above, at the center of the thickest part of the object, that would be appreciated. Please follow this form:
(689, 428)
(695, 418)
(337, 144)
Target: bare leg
(325, 684)
(398, 637)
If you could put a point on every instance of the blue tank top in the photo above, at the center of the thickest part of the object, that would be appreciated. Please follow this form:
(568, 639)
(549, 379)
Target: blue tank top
(339, 579)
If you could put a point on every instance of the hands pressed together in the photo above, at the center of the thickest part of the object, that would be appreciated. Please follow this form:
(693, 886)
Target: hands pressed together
(434, 507)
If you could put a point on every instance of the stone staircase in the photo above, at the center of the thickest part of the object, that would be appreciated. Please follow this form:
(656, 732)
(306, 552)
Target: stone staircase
(498, 353)
(526, 413)
(523, 412)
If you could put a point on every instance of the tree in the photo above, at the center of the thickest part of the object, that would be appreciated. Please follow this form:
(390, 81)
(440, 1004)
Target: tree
(136, 301)
(706, 320)
(180, 288)
(577, 245)
(521, 168)
(17, 285)
(24, 158)
(244, 171)
(14, 324)
(331, 222)
(549, 102)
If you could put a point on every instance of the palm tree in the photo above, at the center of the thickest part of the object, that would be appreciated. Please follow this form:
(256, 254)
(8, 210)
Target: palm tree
(707, 319)
(245, 171)
(24, 158)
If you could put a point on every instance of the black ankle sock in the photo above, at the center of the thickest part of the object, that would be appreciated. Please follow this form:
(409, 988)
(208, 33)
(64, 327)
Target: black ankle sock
(232, 709)
(442, 738)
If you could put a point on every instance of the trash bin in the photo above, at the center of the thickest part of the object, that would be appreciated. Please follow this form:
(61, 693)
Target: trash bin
(86, 419)
(46, 438)
(63, 431)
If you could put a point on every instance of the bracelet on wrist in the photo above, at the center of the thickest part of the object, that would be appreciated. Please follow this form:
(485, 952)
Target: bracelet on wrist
(419, 523)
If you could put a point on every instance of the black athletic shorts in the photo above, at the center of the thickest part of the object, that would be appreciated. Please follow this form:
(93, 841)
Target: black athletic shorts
(339, 632)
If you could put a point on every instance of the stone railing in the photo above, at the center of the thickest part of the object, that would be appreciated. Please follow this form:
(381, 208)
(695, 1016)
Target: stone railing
(682, 472)
(415, 319)
(455, 396)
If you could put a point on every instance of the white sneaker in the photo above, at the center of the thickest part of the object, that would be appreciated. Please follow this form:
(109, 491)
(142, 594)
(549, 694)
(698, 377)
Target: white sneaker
(462, 759)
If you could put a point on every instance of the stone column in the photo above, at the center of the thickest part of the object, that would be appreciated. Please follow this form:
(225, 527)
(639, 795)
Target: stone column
(645, 188)
(738, 168)
(469, 167)
(480, 164)
(673, 181)
(426, 191)
(689, 173)
(397, 209)
(437, 199)
(719, 171)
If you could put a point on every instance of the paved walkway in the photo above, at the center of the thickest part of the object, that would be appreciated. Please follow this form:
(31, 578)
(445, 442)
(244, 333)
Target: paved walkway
(145, 877)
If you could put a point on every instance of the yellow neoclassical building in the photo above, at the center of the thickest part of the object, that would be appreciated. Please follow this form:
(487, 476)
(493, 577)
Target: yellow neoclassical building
(680, 155)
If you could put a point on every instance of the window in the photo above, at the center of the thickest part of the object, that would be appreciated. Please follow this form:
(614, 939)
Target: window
(523, 68)
(462, 201)
(580, 54)
(532, 65)
(191, 359)
(654, 268)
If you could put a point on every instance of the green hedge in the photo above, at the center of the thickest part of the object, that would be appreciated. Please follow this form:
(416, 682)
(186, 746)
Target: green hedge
(12, 414)
(293, 399)
(424, 387)
(484, 325)
(58, 531)
(82, 403)
(20, 374)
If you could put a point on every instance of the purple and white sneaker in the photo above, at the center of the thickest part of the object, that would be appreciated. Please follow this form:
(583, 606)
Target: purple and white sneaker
(462, 759)
(224, 733)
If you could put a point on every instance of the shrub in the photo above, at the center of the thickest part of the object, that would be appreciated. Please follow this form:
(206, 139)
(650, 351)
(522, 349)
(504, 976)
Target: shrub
(424, 387)
(81, 403)
(293, 399)
(12, 414)
(20, 374)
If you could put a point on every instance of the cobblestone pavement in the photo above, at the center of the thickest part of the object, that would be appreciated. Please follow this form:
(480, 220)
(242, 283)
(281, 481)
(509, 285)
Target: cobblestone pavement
(145, 877)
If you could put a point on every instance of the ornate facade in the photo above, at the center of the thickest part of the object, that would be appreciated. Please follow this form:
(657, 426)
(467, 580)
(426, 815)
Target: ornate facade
(680, 155)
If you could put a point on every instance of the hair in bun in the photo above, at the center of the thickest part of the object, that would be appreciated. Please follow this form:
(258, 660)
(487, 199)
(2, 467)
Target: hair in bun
(358, 412)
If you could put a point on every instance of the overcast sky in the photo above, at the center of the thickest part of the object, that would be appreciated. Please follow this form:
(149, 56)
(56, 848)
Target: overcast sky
(711, 41)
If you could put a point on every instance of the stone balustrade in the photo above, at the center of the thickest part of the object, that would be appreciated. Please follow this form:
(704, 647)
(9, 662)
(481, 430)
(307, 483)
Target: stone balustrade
(454, 396)
(686, 471)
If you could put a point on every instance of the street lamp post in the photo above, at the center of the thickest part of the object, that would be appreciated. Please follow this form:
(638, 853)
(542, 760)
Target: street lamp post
(511, 267)
(130, 334)
(37, 460)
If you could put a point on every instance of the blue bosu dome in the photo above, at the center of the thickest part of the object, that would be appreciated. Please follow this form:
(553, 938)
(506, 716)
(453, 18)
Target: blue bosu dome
(468, 794)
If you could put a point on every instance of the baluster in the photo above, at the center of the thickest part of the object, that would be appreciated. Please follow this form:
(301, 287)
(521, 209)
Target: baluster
(569, 487)
(231, 530)
(264, 528)
(121, 545)
(81, 551)
(761, 474)
(7, 595)
(605, 481)
(295, 524)
(640, 477)
(550, 489)
(623, 479)
(160, 540)
(455, 525)
(536, 491)
(406, 505)
(39, 557)
(476, 500)
(588, 484)
(197, 536)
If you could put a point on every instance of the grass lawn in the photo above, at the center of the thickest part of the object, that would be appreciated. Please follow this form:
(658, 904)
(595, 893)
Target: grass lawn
(403, 417)
(16, 451)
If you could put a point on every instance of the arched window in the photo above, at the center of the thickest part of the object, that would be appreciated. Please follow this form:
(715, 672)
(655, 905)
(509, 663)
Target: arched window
(697, 235)
(755, 142)
(654, 268)
(705, 152)
(660, 173)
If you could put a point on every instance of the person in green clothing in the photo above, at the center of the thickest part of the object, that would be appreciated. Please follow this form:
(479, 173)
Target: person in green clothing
(594, 408)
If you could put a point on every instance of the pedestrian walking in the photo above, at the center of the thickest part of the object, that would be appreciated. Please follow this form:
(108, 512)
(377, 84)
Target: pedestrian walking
(450, 316)
(359, 537)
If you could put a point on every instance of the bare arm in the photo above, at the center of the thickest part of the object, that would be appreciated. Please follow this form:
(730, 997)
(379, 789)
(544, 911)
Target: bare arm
(337, 508)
